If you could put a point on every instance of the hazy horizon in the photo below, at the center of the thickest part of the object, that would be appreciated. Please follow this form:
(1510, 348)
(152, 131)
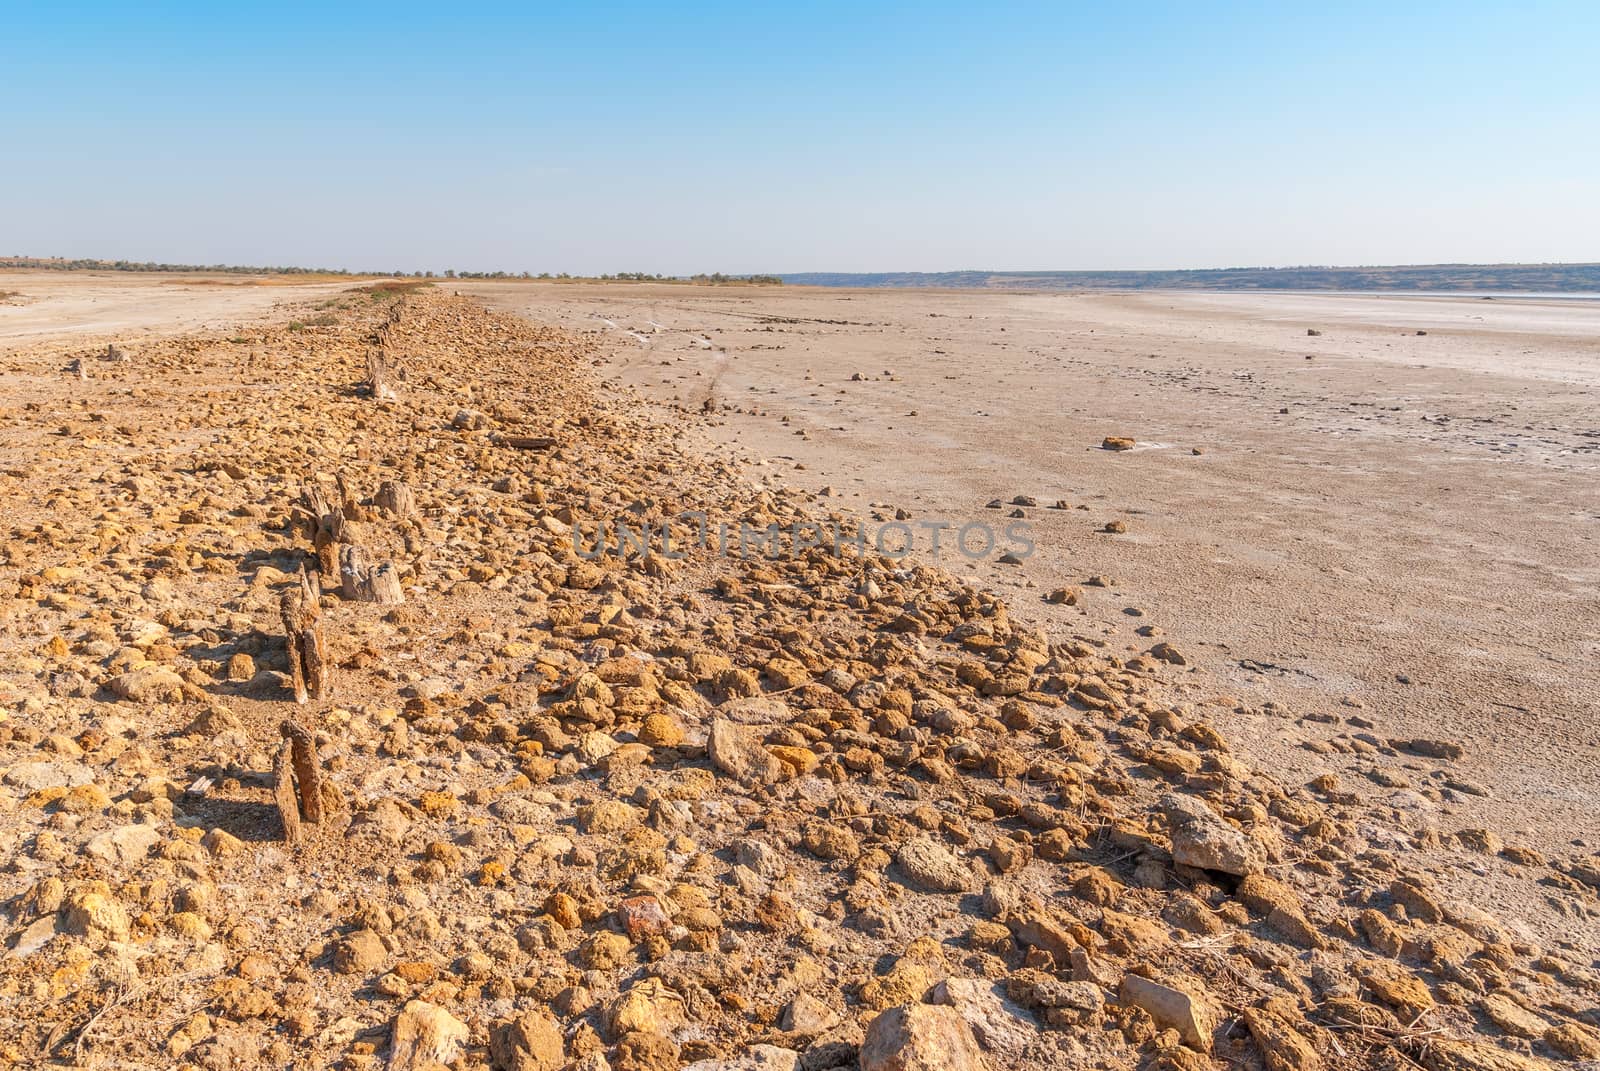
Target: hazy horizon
(836, 139)
(479, 270)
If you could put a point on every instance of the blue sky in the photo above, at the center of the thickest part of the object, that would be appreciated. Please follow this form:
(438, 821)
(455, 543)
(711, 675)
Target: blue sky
(753, 137)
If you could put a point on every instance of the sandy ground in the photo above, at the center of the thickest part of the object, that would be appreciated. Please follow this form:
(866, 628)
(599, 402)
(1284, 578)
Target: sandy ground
(680, 762)
(1387, 534)
(45, 307)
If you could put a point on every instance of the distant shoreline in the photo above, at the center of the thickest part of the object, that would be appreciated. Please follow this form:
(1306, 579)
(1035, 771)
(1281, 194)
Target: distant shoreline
(1506, 279)
(1487, 280)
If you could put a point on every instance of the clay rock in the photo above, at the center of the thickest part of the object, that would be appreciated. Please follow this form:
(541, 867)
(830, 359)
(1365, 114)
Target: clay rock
(34, 776)
(359, 953)
(762, 858)
(1058, 1003)
(1171, 1009)
(1449, 1054)
(1282, 1039)
(607, 816)
(929, 865)
(150, 684)
(737, 750)
(755, 1058)
(642, 916)
(1431, 749)
(1512, 1017)
(1169, 654)
(93, 912)
(425, 1038)
(636, 1052)
(1575, 1040)
(221, 843)
(124, 845)
(1264, 894)
(70, 685)
(213, 721)
(649, 1008)
(1002, 1027)
(807, 1015)
(661, 730)
(921, 1037)
(1397, 987)
(756, 710)
(1202, 839)
(31, 938)
(530, 1042)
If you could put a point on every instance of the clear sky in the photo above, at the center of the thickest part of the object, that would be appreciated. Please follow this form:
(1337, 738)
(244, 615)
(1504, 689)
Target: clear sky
(682, 137)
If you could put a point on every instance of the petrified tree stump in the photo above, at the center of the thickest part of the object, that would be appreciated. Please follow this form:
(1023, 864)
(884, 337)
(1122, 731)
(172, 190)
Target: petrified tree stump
(364, 581)
(395, 499)
(298, 785)
(335, 536)
(307, 770)
(310, 584)
(379, 383)
(327, 526)
(309, 665)
(283, 793)
(351, 503)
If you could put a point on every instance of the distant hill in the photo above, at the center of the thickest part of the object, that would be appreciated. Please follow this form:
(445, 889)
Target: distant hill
(1561, 278)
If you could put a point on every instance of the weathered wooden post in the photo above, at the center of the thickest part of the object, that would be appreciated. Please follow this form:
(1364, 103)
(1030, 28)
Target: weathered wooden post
(298, 782)
(309, 666)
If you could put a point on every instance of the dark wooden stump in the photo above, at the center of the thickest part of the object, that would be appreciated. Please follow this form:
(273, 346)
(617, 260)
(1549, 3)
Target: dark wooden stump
(309, 665)
(307, 770)
(283, 793)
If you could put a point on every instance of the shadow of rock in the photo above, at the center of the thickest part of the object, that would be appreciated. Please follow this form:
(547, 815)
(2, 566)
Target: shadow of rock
(246, 819)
